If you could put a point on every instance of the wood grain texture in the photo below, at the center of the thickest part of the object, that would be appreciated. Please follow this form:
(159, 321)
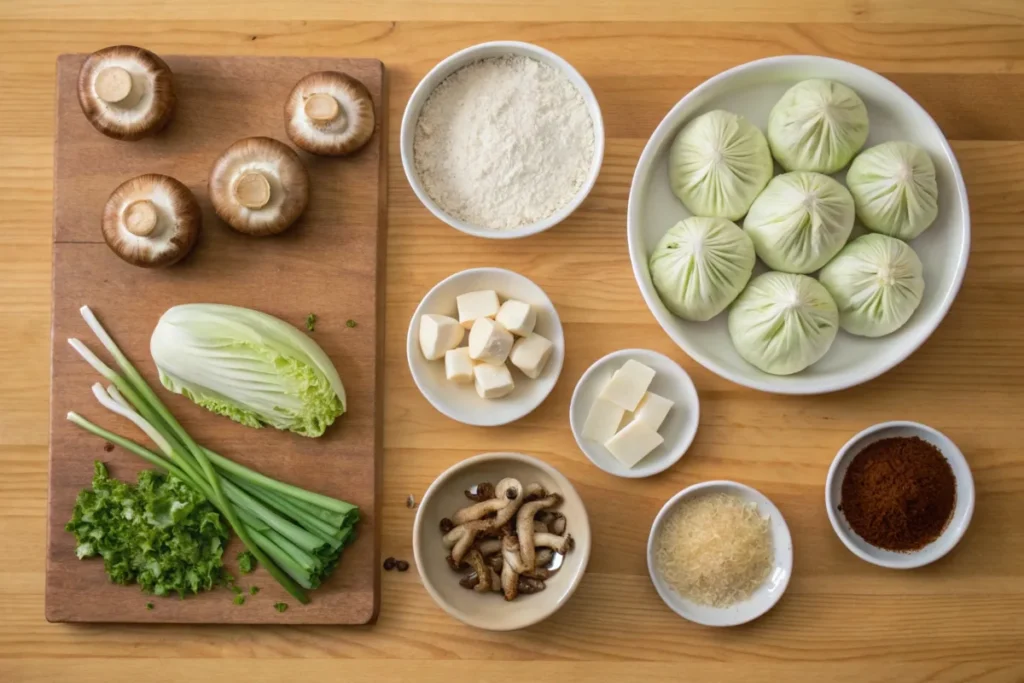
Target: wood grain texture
(841, 619)
(329, 263)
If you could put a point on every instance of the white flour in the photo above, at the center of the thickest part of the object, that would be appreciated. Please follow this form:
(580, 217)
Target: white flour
(504, 142)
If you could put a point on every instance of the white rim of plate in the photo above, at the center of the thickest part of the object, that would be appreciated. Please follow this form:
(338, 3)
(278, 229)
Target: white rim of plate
(408, 126)
(443, 478)
(920, 557)
(665, 592)
(683, 447)
(668, 125)
(412, 345)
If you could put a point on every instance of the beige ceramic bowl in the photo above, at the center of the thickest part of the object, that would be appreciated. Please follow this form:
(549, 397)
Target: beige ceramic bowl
(490, 611)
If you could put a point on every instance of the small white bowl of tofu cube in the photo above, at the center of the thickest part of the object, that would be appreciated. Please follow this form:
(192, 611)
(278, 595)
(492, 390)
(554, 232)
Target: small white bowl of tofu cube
(634, 413)
(485, 346)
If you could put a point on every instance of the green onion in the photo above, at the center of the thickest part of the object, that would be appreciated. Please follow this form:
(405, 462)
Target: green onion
(297, 534)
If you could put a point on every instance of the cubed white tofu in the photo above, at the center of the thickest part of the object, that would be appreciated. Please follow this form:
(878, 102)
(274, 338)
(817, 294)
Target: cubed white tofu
(489, 342)
(476, 305)
(518, 318)
(438, 333)
(633, 442)
(458, 366)
(653, 410)
(602, 421)
(628, 385)
(492, 381)
(530, 354)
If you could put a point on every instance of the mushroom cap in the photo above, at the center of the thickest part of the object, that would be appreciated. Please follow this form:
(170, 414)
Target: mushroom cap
(126, 92)
(259, 186)
(151, 221)
(329, 113)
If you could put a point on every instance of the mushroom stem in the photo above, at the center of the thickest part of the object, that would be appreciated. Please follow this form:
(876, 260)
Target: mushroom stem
(252, 190)
(113, 84)
(560, 544)
(140, 217)
(525, 528)
(321, 108)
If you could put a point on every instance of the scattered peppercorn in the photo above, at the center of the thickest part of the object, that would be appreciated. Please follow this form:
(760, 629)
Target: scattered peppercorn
(280, 606)
(108, 446)
(402, 565)
(389, 564)
(447, 525)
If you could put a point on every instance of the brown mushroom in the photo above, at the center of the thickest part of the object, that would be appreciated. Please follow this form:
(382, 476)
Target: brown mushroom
(329, 113)
(151, 221)
(508, 492)
(481, 492)
(461, 538)
(259, 186)
(126, 92)
(526, 527)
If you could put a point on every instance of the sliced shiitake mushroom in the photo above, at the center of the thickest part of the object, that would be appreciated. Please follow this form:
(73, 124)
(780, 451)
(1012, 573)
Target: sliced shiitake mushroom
(126, 92)
(329, 113)
(152, 220)
(259, 186)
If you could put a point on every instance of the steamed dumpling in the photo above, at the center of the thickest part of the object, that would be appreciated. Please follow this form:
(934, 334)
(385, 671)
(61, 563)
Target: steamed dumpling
(818, 125)
(893, 186)
(877, 284)
(718, 163)
(700, 265)
(783, 323)
(800, 221)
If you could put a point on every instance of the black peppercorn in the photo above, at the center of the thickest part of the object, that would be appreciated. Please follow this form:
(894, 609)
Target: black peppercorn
(389, 564)
(401, 565)
(447, 525)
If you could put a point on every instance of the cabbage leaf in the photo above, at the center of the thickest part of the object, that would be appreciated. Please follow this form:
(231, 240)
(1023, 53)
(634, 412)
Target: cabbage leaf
(248, 366)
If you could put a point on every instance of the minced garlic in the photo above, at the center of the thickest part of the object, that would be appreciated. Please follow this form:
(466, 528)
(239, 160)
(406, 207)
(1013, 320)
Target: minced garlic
(715, 549)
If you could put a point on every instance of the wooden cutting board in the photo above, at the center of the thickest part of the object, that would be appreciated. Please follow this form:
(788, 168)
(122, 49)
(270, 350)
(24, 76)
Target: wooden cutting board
(330, 263)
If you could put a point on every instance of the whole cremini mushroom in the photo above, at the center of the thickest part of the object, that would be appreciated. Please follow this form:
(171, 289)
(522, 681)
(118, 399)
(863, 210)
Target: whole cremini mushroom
(151, 221)
(329, 113)
(126, 92)
(259, 186)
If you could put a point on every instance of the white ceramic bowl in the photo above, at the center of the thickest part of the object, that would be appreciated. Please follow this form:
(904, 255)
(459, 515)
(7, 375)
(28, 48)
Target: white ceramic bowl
(751, 90)
(765, 597)
(472, 54)
(678, 430)
(460, 401)
(958, 522)
(490, 611)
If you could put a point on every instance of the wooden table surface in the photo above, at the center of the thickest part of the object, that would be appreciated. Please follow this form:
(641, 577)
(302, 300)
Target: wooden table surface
(841, 619)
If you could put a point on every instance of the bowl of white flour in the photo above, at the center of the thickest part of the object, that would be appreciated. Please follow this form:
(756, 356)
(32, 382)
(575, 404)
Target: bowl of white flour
(502, 140)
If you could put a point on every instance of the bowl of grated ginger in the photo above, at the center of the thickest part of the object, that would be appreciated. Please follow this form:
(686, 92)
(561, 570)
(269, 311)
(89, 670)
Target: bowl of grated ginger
(720, 553)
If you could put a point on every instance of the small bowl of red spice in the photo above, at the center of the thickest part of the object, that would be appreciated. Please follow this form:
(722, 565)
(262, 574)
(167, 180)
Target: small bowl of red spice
(900, 495)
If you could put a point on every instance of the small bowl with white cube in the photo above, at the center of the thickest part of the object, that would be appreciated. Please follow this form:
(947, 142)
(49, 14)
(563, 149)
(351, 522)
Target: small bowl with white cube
(485, 346)
(634, 413)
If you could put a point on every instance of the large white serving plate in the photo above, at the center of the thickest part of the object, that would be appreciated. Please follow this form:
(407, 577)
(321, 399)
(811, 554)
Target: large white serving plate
(752, 90)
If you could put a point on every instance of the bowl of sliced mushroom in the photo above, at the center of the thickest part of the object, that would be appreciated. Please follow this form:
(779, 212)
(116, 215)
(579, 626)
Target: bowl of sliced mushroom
(501, 541)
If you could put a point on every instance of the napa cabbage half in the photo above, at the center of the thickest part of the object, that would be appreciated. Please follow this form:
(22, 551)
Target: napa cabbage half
(249, 366)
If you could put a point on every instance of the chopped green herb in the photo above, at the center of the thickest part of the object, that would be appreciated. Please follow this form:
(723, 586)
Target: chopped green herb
(280, 606)
(158, 533)
(311, 322)
(236, 590)
(149, 605)
(253, 590)
(239, 600)
(351, 323)
(246, 562)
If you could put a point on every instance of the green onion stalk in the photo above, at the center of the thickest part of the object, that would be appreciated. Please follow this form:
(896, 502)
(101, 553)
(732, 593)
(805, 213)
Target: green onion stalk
(297, 535)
